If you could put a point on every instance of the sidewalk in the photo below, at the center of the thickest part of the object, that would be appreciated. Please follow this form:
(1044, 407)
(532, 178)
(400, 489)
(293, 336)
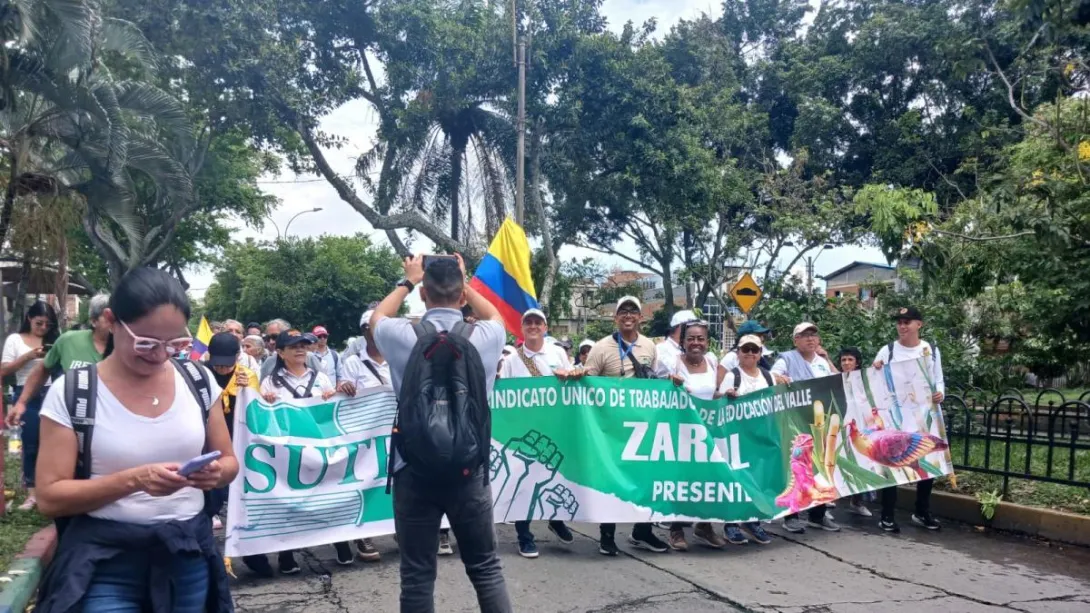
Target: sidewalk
(859, 570)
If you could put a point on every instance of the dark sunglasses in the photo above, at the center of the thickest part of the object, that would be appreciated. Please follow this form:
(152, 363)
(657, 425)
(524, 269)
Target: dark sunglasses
(270, 337)
(323, 336)
(749, 349)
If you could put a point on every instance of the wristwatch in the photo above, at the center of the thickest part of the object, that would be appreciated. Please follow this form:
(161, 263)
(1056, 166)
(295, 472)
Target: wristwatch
(407, 284)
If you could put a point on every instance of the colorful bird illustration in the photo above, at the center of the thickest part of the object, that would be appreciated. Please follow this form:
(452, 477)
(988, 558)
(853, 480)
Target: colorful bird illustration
(802, 490)
(895, 448)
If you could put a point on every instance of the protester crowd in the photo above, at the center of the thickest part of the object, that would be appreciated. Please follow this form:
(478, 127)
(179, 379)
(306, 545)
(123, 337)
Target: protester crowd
(119, 408)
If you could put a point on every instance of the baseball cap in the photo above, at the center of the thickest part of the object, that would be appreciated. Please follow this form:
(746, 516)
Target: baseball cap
(253, 324)
(564, 342)
(751, 339)
(287, 338)
(509, 349)
(682, 317)
(752, 327)
(365, 319)
(910, 313)
(586, 343)
(628, 300)
(537, 312)
(803, 327)
(319, 331)
(223, 349)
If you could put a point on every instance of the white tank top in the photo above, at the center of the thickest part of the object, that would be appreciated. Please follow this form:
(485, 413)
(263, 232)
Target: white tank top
(701, 384)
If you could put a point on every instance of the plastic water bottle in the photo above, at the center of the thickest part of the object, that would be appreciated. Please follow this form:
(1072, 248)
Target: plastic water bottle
(15, 440)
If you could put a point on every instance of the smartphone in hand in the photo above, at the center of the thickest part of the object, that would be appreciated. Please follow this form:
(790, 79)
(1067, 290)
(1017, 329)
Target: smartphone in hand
(198, 463)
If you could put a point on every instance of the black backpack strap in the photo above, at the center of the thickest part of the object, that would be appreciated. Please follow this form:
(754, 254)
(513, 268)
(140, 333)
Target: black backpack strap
(889, 350)
(737, 377)
(196, 379)
(463, 329)
(423, 329)
(80, 397)
(374, 371)
(310, 385)
(768, 377)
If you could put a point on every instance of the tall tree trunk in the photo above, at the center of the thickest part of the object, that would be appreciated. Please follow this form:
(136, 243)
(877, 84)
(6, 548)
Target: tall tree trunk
(455, 187)
(668, 287)
(61, 288)
(9, 197)
(547, 244)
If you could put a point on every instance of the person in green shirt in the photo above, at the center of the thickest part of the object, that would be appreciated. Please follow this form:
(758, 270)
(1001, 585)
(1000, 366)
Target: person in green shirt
(73, 349)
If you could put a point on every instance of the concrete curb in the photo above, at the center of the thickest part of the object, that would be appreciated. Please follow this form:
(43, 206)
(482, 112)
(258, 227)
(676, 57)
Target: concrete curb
(1032, 521)
(15, 596)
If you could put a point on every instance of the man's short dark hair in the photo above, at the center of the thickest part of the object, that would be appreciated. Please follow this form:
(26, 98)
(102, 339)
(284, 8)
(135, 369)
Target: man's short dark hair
(444, 282)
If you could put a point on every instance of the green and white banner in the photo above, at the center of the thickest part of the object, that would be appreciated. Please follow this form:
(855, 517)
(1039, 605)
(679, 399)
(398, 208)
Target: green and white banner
(596, 450)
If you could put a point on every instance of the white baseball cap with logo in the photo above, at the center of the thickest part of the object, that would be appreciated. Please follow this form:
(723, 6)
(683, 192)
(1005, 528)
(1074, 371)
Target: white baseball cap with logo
(803, 327)
(628, 300)
(682, 317)
(537, 312)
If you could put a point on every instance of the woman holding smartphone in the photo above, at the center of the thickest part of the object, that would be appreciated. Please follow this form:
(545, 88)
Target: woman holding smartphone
(23, 351)
(135, 537)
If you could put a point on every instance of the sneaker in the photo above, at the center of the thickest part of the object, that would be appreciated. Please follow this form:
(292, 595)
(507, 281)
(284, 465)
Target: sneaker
(827, 524)
(705, 535)
(608, 547)
(860, 509)
(888, 525)
(677, 540)
(527, 547)
(925, 521)
(648, 541)
(344, 554)
(444, 544)
(217, 523)
(286, 562)
(366, 551)
(662, 525)
(259, 565)
(757, 533)
(28, 504)
(562, 532)
(735, 536)
(794, 525)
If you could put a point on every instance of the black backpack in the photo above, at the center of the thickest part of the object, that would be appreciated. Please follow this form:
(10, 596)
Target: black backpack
(736, 372)
(80, 398)
(443, 428)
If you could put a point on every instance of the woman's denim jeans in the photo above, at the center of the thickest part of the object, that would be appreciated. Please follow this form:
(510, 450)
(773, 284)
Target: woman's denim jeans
(120, 585)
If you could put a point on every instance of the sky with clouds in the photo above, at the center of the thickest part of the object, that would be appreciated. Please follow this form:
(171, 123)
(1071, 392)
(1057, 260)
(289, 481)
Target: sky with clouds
(356, 122)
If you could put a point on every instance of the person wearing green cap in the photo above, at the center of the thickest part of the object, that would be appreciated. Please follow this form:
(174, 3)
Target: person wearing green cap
(730, 358)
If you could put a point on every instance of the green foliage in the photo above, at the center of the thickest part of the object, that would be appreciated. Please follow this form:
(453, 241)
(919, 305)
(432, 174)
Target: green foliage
(989, 502)
(327, 281)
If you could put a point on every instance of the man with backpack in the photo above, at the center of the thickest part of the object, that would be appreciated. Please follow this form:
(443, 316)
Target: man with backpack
(628, 354)
(909, 346)
(442, 370)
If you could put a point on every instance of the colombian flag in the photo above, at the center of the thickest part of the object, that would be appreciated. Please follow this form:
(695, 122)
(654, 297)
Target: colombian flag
(503, 276)
(200, 343)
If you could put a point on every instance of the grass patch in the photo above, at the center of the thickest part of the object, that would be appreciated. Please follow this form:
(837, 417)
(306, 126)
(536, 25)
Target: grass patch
(16, 527)
(1069, 498)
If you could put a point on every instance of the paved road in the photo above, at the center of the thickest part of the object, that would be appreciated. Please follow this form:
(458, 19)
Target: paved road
(860, 570)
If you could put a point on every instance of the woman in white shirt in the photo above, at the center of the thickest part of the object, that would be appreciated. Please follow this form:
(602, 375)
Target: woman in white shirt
(291, 378)
(23, 351)
(134, 529)
(748, 377)
(696, 370)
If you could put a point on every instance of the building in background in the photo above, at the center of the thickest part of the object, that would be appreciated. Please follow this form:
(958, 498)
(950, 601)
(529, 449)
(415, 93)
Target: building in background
(856, 278)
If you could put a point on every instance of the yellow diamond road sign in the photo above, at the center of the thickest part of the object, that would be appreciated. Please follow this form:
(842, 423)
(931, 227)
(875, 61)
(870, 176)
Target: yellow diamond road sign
(746, 293)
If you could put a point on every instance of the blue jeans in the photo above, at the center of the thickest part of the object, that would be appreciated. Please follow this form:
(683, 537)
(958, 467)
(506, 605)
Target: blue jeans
(29, 433)
(120, 585)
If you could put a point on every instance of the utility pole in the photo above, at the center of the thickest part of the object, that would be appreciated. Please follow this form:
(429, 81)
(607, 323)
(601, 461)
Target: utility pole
(520, 177)
(809, 275)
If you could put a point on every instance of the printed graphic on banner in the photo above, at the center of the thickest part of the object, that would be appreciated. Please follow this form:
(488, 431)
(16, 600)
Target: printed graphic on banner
(312, 472)
(597, 450)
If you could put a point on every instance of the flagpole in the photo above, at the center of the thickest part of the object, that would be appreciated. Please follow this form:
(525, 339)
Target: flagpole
(520, 177)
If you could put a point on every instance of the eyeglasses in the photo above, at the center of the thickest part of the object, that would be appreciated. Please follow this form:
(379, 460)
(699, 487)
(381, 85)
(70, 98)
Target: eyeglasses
(749, 349)
(627, 312)
(323, 336)
(143, 345)
(270, 337)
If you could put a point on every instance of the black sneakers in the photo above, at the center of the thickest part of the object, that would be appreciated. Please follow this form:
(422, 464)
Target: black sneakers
(259, 565)
(608, 547)
(648, 540)
(286, 562)
(345, 557)
(888, 525)
(925, 521)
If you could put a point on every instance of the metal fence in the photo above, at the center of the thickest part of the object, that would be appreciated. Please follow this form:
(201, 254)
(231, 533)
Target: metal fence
(1042, 436)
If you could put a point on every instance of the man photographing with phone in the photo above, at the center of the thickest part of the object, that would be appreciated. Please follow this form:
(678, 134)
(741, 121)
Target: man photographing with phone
(442, 370)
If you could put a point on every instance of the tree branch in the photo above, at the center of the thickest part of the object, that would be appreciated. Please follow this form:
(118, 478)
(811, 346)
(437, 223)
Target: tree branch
(404, 220)
(608, 251)
(984, 239)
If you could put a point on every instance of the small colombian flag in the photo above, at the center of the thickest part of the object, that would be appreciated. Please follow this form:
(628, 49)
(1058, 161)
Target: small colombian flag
(503, 276)
(200, 343)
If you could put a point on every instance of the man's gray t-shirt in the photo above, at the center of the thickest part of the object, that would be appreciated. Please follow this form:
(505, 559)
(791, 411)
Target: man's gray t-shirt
(395, 339)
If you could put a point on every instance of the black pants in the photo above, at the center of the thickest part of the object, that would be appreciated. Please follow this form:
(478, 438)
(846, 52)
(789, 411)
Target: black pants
(609, 531)
(815, 514)
(923, 499)
(418, 509)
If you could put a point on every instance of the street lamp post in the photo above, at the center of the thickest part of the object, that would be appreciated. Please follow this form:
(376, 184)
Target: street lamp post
(287, 226)
(810, 268)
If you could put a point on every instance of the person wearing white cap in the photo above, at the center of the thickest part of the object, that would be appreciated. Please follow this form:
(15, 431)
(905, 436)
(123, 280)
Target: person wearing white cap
(629, 354)
(808, 360)
(584, 351)
(669, 350)
(537, 358)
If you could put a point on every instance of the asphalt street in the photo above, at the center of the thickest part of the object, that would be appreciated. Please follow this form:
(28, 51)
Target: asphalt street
(861, 569)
